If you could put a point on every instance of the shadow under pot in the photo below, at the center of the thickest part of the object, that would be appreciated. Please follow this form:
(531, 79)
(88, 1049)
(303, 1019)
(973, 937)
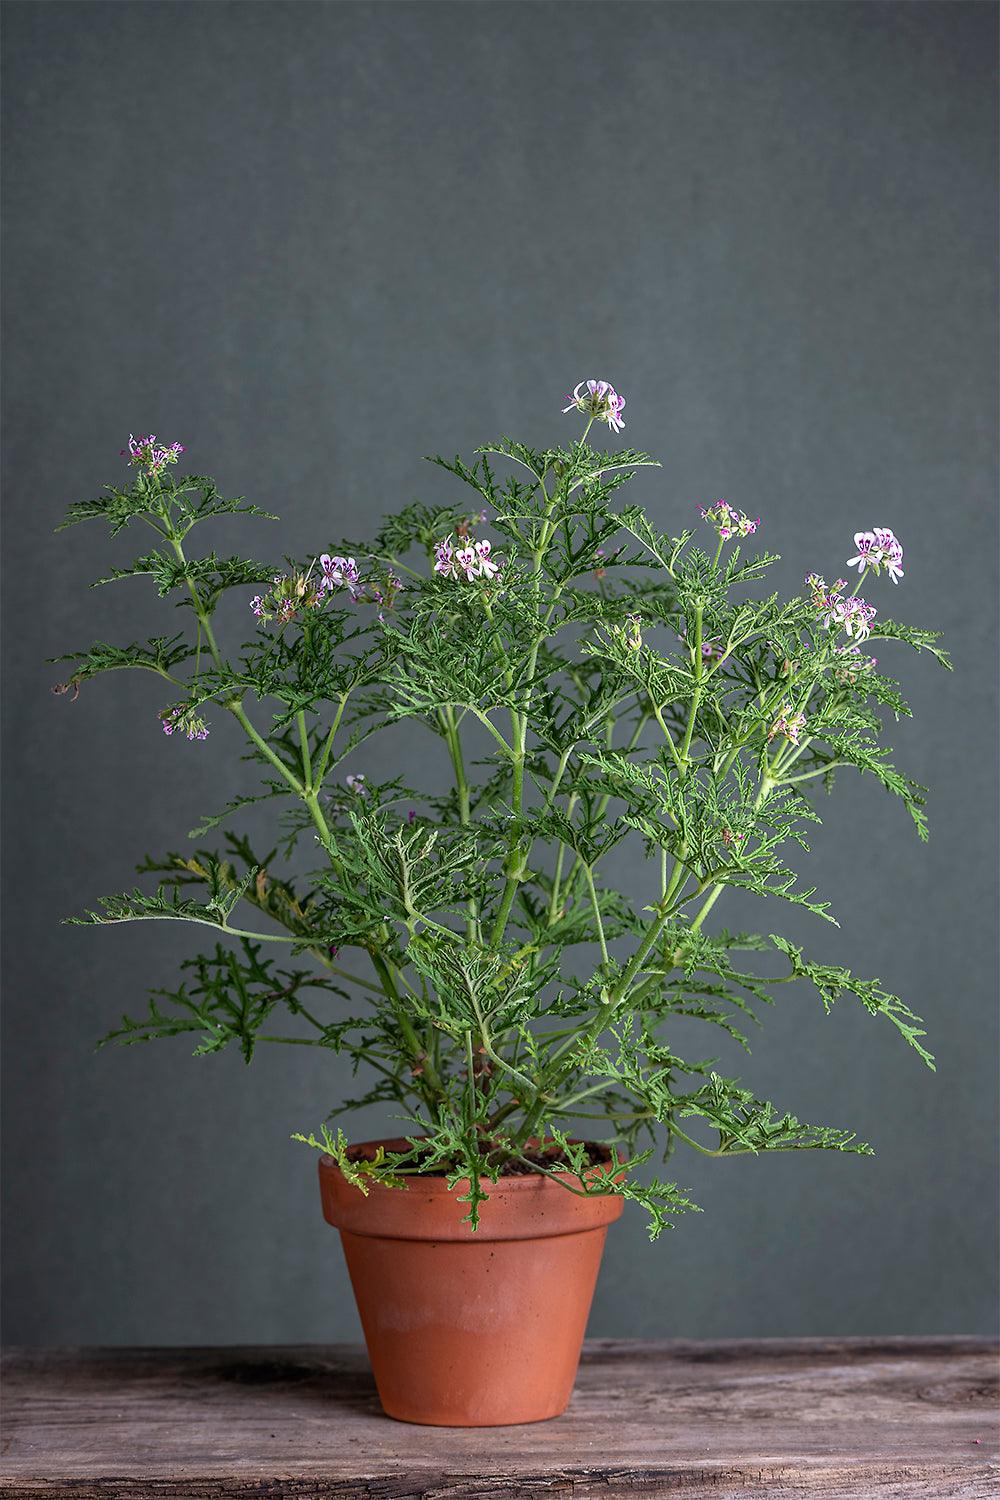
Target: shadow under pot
(470, 1328)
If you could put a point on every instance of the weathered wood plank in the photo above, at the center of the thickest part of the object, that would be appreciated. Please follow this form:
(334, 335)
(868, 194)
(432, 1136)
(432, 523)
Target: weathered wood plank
(840, 1419)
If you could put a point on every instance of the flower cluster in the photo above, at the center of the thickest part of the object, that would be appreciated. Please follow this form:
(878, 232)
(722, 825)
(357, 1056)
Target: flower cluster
(728, 521)
(146, 453)
(598, 399)
(788, 724)
(472, 560)
(355, 783)
(289, 594)
(846, 611)
(292, 593)
(184, 720)
(878, 549)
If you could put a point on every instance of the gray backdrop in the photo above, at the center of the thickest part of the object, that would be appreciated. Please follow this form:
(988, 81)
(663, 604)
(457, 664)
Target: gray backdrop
(316, 241)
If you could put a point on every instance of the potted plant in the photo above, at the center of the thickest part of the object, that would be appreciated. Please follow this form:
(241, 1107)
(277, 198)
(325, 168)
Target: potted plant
(586, 681)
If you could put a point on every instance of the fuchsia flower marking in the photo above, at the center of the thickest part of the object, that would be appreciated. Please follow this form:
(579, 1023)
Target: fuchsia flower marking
(183, 720)
(146, 453)
(728, 521)
(878, 549)
(598, 398)
(788, 724)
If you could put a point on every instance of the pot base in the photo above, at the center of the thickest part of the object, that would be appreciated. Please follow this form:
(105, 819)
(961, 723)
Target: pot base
(466, 1335)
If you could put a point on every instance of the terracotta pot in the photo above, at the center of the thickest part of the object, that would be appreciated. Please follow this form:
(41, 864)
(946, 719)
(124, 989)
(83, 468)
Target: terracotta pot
(470, 1329)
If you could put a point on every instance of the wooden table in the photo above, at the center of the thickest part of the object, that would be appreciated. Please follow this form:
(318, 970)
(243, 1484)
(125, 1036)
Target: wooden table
(790, 1417)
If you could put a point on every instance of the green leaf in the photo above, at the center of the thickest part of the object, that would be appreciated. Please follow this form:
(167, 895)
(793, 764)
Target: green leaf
(831, 981)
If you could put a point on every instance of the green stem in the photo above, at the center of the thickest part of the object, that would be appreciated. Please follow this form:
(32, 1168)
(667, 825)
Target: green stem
(300, 720)
(235, 707)
(454, 743)
(682, 1135)
(808, 775)
(588, 874)
(257, 937)
(327, 751)
(685, 751)
(491, 1052)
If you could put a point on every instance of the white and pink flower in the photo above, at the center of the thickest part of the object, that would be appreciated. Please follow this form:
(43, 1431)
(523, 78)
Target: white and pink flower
(487, 567)
(472, 560)
(598, 399)
(340, 573)
(846, 612)
(878, 549)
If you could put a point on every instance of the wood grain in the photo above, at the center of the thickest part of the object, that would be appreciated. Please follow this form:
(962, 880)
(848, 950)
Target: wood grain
(833, 1418)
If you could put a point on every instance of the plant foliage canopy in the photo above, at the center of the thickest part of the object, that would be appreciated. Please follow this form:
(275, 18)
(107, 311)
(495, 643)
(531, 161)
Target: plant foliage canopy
(588, 683)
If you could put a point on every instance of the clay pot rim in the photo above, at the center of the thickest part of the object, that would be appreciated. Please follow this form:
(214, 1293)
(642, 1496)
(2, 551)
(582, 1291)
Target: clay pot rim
(437, 1182)
(537, 1205)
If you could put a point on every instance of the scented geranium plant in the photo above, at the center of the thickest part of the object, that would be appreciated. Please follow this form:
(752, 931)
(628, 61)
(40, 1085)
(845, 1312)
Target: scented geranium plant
(586, 682)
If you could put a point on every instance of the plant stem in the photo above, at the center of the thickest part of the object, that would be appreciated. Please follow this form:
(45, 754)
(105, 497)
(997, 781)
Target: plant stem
(588, 875)
(300, 720)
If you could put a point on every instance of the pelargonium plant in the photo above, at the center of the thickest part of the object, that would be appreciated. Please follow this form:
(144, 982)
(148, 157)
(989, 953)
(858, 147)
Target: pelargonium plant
(587, 682)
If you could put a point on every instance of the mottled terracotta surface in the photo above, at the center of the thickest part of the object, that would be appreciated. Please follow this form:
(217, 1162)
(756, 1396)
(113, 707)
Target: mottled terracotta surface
(471, 1329)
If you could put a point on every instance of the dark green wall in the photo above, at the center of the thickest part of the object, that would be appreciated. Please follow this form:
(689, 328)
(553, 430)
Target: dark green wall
(315, 241)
